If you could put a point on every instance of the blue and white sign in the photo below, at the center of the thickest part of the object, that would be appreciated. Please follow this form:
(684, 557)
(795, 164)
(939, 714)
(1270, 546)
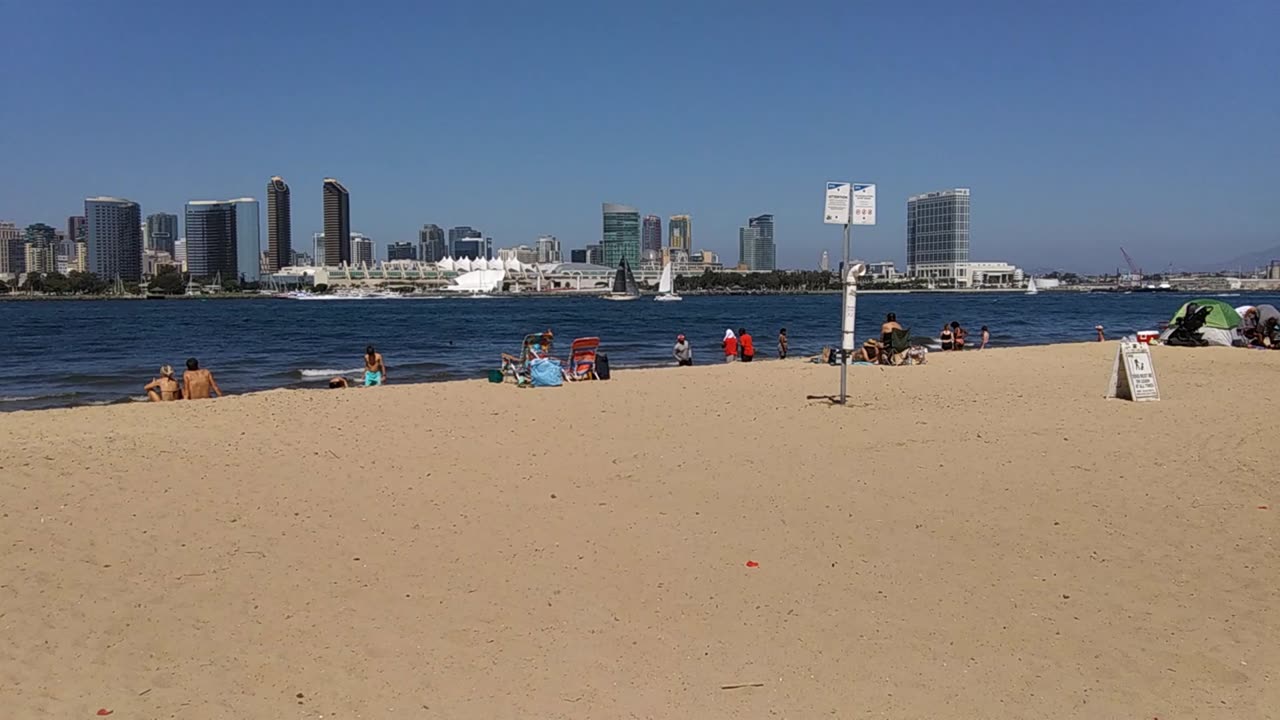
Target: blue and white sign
(837, 210)
(864, 204)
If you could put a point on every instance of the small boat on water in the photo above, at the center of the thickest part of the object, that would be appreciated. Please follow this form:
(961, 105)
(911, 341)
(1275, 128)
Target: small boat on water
(1031, 286)
(624, 284)
(666, 286)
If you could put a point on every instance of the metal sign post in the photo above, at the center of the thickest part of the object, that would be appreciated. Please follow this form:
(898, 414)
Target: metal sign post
(849, 204)
(848, 310)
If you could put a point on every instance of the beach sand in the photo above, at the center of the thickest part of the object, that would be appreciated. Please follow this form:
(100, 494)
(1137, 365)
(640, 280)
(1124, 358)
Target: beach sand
(981, 537)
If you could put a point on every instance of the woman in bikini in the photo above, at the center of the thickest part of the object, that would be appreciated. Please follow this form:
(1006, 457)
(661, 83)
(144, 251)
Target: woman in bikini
(165, 387)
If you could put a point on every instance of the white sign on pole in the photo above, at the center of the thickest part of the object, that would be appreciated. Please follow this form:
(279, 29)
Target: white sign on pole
(864, 204)
(837, 211)
(1133, 376)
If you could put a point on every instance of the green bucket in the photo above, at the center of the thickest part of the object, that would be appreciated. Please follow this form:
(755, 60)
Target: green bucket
(496, 376)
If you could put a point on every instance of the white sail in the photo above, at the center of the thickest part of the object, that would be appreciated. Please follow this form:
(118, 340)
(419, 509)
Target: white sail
(664, 283)
(1031, 286)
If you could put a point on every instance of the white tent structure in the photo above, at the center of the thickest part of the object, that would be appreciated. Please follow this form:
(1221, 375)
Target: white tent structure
(445, 263)
(478, 281)
(496, 264)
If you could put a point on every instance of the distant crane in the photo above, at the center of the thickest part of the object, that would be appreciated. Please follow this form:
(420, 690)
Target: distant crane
(1135, 273)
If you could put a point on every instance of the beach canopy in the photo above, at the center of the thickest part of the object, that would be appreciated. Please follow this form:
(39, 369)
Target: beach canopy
(1221, 315)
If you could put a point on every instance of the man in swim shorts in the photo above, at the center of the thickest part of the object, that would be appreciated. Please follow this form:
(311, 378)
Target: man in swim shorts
(375, 371)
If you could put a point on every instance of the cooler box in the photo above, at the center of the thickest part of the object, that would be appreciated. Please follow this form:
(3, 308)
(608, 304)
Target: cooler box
(1146, 336)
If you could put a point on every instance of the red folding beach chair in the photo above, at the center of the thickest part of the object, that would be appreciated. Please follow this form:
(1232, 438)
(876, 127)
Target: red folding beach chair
(582, 359)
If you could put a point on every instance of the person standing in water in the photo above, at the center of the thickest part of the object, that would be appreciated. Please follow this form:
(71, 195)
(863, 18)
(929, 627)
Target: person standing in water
(745, 346)
(730, 346)
(375, 370)
(682, 352)
(986, 338)
(165, 387)
(945, 338)
(782, 344)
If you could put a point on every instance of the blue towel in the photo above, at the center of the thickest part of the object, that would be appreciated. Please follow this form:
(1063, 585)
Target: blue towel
(545, 373)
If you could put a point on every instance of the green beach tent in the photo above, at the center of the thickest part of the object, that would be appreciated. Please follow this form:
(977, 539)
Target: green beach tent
(1221, 315)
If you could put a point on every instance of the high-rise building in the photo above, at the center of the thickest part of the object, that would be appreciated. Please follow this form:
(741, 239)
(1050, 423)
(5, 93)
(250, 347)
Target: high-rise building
(248, 240)
(578, 255)
(337, 223)
(651, 237)
(471, 247)
(361, 249)
(402, 251)
(755, 244)
(211, 239)
(76, 233)
(680, 233)
(621, 234)
(279, 224)
(938, 236)
(431, 244)
(463, 232)
(301, 259)
(824, 264)
(40, 251)
(13, 258)
(162, 232)
(595, 254)
(114, 238)
(549, 249)
(317, 247)
(180, 253)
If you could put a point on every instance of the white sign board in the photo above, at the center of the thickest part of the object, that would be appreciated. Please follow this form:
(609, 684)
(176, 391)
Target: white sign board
(837, 210)
(1133, 376)
(864, 204)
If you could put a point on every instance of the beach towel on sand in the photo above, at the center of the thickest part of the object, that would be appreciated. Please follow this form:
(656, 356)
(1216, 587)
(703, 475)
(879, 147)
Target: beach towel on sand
(545, 373)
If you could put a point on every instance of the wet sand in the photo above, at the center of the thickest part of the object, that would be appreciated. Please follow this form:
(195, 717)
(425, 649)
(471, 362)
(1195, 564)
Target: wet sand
(981, 537)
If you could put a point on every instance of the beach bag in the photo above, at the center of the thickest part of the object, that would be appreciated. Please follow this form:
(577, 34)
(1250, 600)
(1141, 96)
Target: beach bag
(602, 366)
(545, 373)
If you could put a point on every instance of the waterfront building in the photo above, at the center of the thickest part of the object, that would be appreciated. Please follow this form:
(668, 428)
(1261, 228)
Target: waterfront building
(211, 239)
(401, 251)
(578, 255)
(279, 224)
(680, 233)
(756, 250)
(431, 243)
(361, 249)
(595, 254)
(337, 223)
(459, 233)
(549, 249)
(40, 249)
(12, 254)
(621, 234)
(162, 232)
(651, 237)
(938, 236)
(113, 233)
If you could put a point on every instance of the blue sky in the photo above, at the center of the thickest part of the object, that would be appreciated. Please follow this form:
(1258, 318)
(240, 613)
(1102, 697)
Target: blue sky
(1079, 127)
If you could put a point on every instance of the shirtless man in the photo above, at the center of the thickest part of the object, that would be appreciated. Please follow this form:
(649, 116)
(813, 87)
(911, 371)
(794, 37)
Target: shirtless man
(197, 383)
(165, 387)
(375, 371)
(887, 327)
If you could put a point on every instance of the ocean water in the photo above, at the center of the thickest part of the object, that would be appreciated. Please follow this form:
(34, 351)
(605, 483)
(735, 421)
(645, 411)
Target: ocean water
(102, 351)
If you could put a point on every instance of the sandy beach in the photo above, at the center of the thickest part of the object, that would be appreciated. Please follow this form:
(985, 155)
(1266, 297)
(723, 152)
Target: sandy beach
(981, 537)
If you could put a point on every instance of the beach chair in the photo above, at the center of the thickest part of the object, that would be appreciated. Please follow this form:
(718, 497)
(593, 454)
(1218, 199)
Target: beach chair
(534, 346)
(582, 359)
(895, 351)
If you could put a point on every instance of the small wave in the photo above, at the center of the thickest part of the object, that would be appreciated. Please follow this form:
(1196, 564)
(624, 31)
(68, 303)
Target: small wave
(324, 372)
(21, 398)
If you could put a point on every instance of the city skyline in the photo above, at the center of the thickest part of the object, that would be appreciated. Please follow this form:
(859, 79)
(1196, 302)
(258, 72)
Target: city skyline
(1077, 113)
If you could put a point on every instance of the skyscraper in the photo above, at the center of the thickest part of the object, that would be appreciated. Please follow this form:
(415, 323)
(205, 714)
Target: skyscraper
(621, 234)
(248, 240)
(680, 233)
(13, 257)
(211, 239)
(755, 244)
(279, 224)
(361, 249)
(938, 235)
(76, 233)
(578, 255)
(401, 251)
(459, 233)
(825, 263)
(431, 245)
(337, 223)
(549, 249)
(114, 238)
(651, 237)
(162, 232)
(40, 249)
(595, 254)
(317, 248)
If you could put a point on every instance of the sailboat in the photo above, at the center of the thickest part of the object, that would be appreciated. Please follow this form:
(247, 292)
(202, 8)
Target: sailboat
(666, 288)
(1031, 286)
(624, 284)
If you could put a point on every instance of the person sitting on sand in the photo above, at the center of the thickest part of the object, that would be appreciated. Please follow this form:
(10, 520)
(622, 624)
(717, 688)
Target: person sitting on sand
(375, 370)
(945, 338)
(197, 383)
(871, 352)
(958, 334)
(746, 350)
(782, 344)
(1270, 334)
(338, 382)
(165, 387)
(730, 346)
(682, 352)
(886, 329)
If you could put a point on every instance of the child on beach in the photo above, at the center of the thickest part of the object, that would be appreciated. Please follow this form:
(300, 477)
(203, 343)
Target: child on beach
(986, 338)
(782, 344)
